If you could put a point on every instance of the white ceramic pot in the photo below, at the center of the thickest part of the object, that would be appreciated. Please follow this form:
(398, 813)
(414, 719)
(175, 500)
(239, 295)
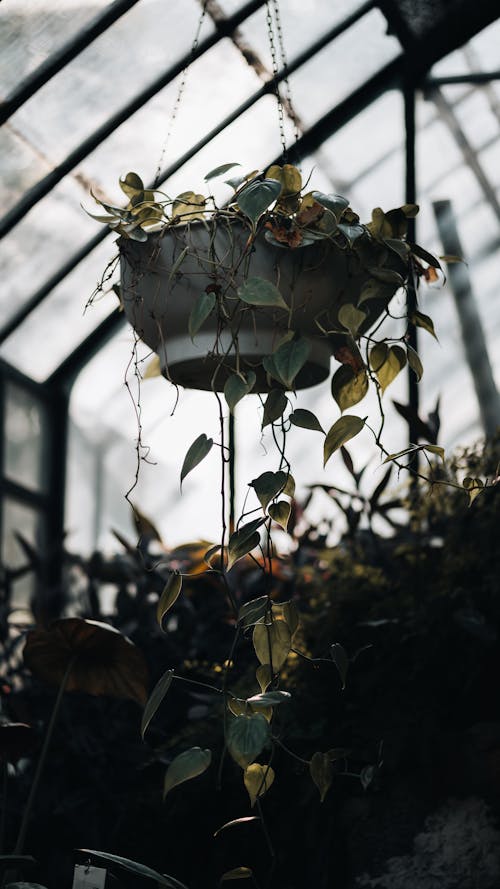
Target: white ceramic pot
(162, 278)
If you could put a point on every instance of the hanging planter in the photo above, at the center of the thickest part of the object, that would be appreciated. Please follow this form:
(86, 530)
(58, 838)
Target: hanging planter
(266, 288)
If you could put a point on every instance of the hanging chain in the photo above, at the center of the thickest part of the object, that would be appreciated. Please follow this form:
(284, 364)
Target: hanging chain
(275, 32)
(284, 64)
(180, 93)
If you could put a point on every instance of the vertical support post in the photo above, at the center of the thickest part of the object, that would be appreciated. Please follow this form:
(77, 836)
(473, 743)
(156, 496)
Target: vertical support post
(473, 338)
(232, 461)
(410, 197)
(58, 408)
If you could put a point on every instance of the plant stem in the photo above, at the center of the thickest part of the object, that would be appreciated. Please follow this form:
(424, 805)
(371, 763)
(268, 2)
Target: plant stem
(201, 684)
(5, 778)
(41, 762)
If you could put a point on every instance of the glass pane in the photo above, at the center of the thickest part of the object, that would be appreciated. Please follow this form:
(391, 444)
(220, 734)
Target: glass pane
(25, 438)
(26, 521)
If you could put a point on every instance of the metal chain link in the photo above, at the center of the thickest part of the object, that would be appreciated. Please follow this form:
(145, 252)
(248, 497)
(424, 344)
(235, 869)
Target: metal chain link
(180, 93)
(274, 58)
(284, 65)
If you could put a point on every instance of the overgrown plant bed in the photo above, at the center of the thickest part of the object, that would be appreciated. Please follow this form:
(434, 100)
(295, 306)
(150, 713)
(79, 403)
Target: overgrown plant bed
(417, 724)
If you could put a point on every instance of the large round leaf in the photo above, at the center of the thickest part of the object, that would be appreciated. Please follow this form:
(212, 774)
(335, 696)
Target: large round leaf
(104, 661)
(185, 766)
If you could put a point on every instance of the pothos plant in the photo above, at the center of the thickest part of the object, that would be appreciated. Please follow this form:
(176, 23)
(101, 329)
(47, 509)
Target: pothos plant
(255, 296)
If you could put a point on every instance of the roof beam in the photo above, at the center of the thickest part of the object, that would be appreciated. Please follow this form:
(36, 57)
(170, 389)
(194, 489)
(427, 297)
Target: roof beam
(59, 59)
(35, 194)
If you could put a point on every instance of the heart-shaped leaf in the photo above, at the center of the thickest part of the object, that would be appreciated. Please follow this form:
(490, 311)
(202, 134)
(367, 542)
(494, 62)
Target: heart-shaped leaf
(219, 171)
(343, 430)
(268, 485)
(243, 541)
(196, 453)
(258, 780)
(424, 322)
(169, 595)
(333, 202)
(321, 769)
(254, 611)
(306, 420)
(246, 738)
(236, 387)
(274, 407)
(290, 358)
(185, 766)
(349, 387)
(280, 513)
(351, 318)
(261, 292)
(264, 676)
(272, 643)
(255, 198)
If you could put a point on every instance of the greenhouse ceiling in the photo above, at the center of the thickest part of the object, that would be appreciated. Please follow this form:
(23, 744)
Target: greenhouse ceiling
(90, 90)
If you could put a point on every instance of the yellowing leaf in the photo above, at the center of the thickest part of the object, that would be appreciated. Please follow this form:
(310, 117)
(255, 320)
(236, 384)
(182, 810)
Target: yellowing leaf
(155, 699)
(388, 369)
(415, 362)
(169, 596)
(188, 206)
(258, 780)
(349, 387)
(153, 369)
(351, 318)
(424, 322)
(321, 769)
(237, 873)
(264, 676)
(343, 430)
(272, 643)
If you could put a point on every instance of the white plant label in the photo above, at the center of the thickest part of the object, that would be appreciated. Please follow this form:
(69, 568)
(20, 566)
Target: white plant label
(87, 877)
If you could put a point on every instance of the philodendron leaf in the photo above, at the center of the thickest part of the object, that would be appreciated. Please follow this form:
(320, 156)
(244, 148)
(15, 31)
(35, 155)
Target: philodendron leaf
(255, 198)
(269, 699)
(264, 676)
(351, 318)
(333, 202)
(343, 430)
(202, 308)
(305, 419)
(280, 513)
(188, 206)
(219, 171)
(415, 362)
(140, 870)
(131, 184)
(274, 407)
(395, 361)
(290, 358)
(243, 541)
(258, 779)
(272, 643)
(289, 488)
(341, 661)
(291, 616)
(349, 387)
(268, 485)
(185, 766)
(321, 769)
(261, 292)
(254, 611)
(237, 873)
(169, 596)
(155, 699)
(423, 321)
(196, 453)
(246, 738)
(236, 387)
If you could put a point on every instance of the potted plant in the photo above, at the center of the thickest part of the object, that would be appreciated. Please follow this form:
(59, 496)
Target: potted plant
(260, 291)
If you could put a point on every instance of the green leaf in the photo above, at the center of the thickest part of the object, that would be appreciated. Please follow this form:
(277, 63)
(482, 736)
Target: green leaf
(351, 232)
(321, 769)
(415, 362)
(306, 420)
(291, 616)
(272, 643)
(253, 612)
(237, 873)
(202, 308)
(426, 256)
(403, 453)
(243, 541)
(349, 387)
(139, 870)
(341, 661)
(289, 488)
(155, 699)
(176, 266)
(289, 359)
(280, 513)
(196, 453)
(343, 430)
(333, 202)
(236, 822)
(269, 699)
(185, 766)
(260, 292)
(237, 387)
(351, 318)
(246, 738)
(255, 198)
(219, 171)
(386, 276)
(258, 780)
(268, 485)
(424, 322)
(274, 407)
(264, 676)
(169, 595)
